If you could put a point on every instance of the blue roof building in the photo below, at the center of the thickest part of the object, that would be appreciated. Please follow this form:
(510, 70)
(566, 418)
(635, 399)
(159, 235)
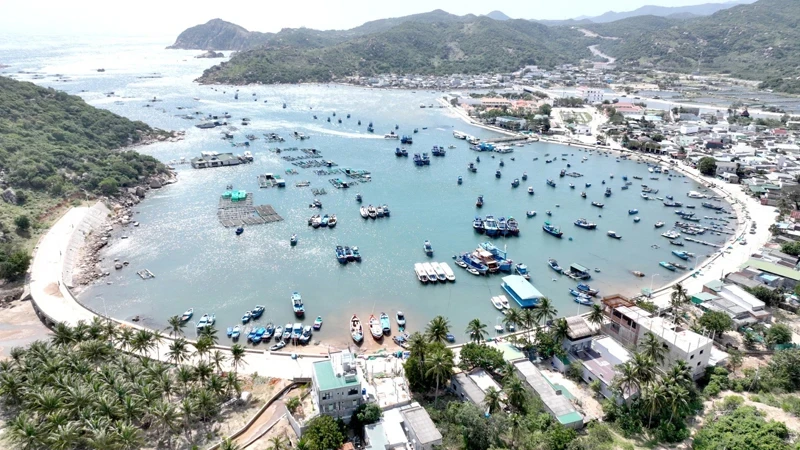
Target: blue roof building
(522, 291)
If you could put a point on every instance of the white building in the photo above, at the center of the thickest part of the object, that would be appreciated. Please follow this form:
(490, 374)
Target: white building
(682, 344)
(590, 94)
(599, 361)
(407, 428)
(336, 385)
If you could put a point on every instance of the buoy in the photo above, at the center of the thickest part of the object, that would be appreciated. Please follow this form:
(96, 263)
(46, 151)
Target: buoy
(570, 238)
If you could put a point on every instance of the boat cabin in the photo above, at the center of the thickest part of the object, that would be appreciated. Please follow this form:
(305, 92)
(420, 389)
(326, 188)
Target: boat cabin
(579, 271)
(215, 160)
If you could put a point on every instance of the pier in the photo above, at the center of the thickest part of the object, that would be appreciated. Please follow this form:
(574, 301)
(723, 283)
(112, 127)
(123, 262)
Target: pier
(242, 212)
(698, 241)
(505, 140)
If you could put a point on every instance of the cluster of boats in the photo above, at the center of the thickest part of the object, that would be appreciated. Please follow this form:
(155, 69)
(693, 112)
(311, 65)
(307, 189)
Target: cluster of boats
(422, 160)
(378, 326)
(433, 272)
(345, 254)
(487, 258)
(374, 212)
(326, 221)
(495, 227)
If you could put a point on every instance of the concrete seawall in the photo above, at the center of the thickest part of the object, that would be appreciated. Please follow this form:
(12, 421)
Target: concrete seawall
(95, 220)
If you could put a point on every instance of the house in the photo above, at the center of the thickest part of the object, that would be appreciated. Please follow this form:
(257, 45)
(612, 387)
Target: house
(629, 324)
(511, 123)
(741, 306)
(556, 404)
(404, 428)
(790, 277)
(522, 291)
(726, 167)
(591, 95)
(422, 432)
(579, 334)
(730, 178)
(472, 386)
(336, 385)
(495, 102)
(599, 360)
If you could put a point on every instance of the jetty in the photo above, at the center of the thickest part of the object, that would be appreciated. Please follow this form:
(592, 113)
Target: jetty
(698, 241)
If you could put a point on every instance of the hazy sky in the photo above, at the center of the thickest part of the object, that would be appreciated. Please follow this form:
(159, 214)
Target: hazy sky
(170, 17)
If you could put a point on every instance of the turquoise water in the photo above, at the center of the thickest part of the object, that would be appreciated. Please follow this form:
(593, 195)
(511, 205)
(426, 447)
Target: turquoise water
(200, 264)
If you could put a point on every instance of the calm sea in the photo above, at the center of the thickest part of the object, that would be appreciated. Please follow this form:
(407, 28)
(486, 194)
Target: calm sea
(200, 264)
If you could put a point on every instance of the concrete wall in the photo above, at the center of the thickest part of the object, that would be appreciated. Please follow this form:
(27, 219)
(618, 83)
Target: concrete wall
(96, 219)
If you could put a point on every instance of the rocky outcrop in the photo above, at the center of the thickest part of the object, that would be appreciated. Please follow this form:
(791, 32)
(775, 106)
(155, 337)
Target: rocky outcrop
(217, 34)
(211, 54)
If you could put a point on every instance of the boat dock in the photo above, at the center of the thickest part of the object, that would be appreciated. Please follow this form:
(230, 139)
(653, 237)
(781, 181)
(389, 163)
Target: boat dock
(698, 241)
(238, 210)
(506, 139)
(145, 274)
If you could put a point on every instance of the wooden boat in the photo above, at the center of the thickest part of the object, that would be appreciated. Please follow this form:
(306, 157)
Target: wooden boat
(318, 323)
(356, 330)
(187, 315)
(375, 327)
(386, 324)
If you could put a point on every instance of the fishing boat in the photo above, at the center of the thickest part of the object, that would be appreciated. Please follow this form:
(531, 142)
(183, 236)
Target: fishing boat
(473, 271)
(340, 254)
(247, 316)
(608, 192)
(448, 272)
(645, 196)
(530, 213)
(584, 300)
(293, 240)
(680, 254)
(588, 185)
(432, 277)
(583, 223)
(400, 318)
(427, 248)
(524, 176)
(490, 225)
(460, 180)
(502, 226)
(667, 266)
(372, 212)
(552, 229)
(477, 225)
(358, 198)
(323, 222)
(187, 315)
(512, 226)
(316, 221)
(375, 327)
(586, 289)
(471, 167)
(257, 311)
(633, 211)
(637, 273)
(364, 212)
(659, 224)
(598, 204)
(356, 254)
(554, 265)
(440, 275)
(229, 331)
(422, 276)
(637, 219)
(497, 174)
(551, 183)
(206, 320)
(297, 304)
(479, 202)
(235, 332)
(239, 231)
(613, 234)
(671, 234)
(278, 346)
(522, 270)
(515, 183)
(356, 330)
(386, 324)
(497, 303)
(348, 254)
(332, 221)
(571, 186)
(379, 211)
(677, 243)
(679, 266)
(270, 331)
(287, 332)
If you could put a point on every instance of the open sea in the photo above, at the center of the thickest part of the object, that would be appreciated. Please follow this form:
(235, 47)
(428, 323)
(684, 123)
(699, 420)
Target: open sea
(198, 263)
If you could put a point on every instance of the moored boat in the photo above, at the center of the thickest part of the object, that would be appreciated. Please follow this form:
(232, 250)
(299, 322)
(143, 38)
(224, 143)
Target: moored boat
(427, 248)
(340, 254)
(552, 229)
(513, 226)
(659, 224)
(680, 254)
(667, 266)
(633, 211)
(477, 225)
(400, 318)
(583, 223)
(530, 190)
(497, 303)
(440, 275)
(554, 265)
(448, 272)
(530, 213)
(293, 240)
(522, 270)
(586, 289)
(356, 330)
(551, 183)
(490, 225)
(432, 277)
(421, 274)
(297, 304)
(187, 315)
(479, 202)
(235, 332)
(375, 328)
(257, 311)
(598, 204)
(614, 234)
(386, 324)
(364, 212)
(332, 221)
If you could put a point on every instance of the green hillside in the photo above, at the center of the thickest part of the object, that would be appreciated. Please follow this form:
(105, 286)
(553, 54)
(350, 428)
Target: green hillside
(450, 45)
(760, 41)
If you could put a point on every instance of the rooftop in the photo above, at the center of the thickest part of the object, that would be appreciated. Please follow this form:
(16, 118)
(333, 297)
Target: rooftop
(337, 372)
(418, 420)
(777, 269)
(685, 340)
(471, 389)
(560, 407)
(523, 292)
(578, 328)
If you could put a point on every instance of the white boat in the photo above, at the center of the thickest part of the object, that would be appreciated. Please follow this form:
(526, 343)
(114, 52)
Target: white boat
(429, 271)
(459, 135)
(420, 271)
(473, 271)
(504, 301)
(364, 212)
(391, 135)
(498, 304)
(440, 275)
(448, 272)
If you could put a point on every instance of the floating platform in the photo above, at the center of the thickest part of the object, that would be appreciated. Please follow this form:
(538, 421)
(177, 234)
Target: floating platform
(145, 274)
(237, 213)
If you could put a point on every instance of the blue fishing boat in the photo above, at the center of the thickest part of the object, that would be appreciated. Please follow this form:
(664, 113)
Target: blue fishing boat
(471, 262)
(502, 227)
(324, 221)
(586, 289)
(571, 186)
(711, 206)
(551, 183)
(297, 304)
(398, 152)
(426, 160)
(239, 231)
(513, 226)
(497, 173)
(584, 300)
(235, 333)
(187, 315)
(669, 197)
(416, 130)
(471, 167)
(356, 254)
(247, 316)
(522, 270)
(633, 211)
(530, 213)
(501, 257)
(427, 248)
(406, 139)
(490, 226)
(418, 160)
(340, 255)
(554, 265)
(370, 129)
(229, 331)
(386, 323)
(583, 223)
(252, 335)
(477, 225)
(624, 188)
(257, 311)
(460, 180)
(524, 176)
(358, 198)
(260, 333)
(552, 229)
(318, 323)
(588, 185)
(636, 219)
(287, 332)
(680, 254)
(667, 266)
(515, 183)
(348, 253)
(270, 331)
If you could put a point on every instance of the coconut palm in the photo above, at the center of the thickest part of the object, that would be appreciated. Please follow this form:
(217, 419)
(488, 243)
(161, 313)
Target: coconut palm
(237, 356)
(515, 392)
(492, 400)
(202, 346)
(596, 316)
(277, 443)
(438, 329)
(545, 311)
(203, 371)
(210, 332)
(62, 334)
(440, 366)
(678, 398)
(560, 329)
(228, 444)
(418, 348)
(124, 338)
(142, 342)
(678, 297)
(25, 433)
(476, 331)
(626, 381)
(652, 348)
(157, 339)
(513, 318)
(165, 417)
(176, 326)
(232, 383)
(128, 437)
(218, 360)
(644, 368)
(64, 436)
(178, 351)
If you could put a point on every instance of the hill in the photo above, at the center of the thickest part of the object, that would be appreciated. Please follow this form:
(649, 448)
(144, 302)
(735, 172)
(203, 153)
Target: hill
(759, 41)
(498, 15)
(54, 148)
(432, 43)
(704, 9)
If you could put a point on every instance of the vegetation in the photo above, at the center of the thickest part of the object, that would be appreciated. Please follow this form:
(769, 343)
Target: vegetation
(707, 166)
(716, 321)
(779, 334)
(791, 248)
(80, 391)
(431, 44)
(770, 297)
(742, 428)
(324, 433)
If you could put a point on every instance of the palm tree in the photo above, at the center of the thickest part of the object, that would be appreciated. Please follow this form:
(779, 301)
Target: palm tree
(210, 332)
(418, 348)
(142, 342)
(178, 351)
(203, 371)
(202, 346)
(596, 316)
(545, 311)
(237, 356)
(218, 360)
(560, 329)
(652, 348)
(62, 334)
(476, 331)
(157, 340)
(644, 368)
(64, 437)
(440, 366)
(25, 432)
(128, 437)
(678, 398)
(492, 400)
(124, 338)
(626, 380)
(166, 418)
(678, 297)
(277, 443)
(656, 398)
(515, 392)
(228, 444)
(513, 318)
(438, 329)
(176, 326)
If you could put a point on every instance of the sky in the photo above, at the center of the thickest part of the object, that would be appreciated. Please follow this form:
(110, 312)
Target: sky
(170, 17)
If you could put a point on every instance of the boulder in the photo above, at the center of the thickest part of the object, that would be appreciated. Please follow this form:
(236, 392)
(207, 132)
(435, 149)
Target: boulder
(140, 191)
(210, 54)
(155, 183)
(10, 196)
